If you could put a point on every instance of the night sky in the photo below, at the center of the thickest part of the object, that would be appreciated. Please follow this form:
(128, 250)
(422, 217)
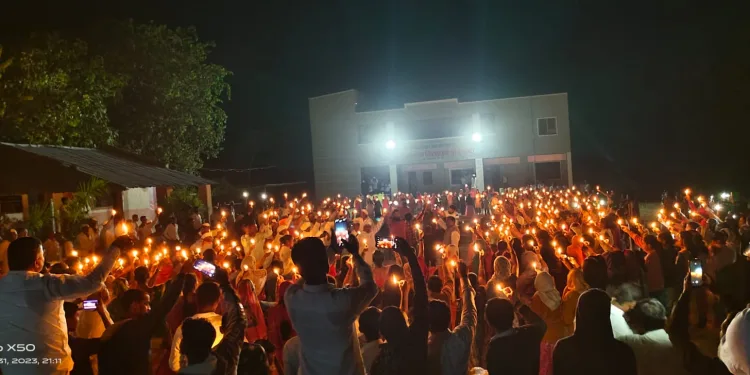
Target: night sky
(659, 94)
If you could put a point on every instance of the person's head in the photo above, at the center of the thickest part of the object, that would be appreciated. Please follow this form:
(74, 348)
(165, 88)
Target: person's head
(378, 258)
(625, 295)
(198, 337)
(250, 229)
(647, 315)
(719, 239)
(652, 243)
(253, 360)
(369, 323)
(364, 214)
(501, 266)
(499, 314)
(134, 218)
(450, 221)
(595, 272)
(136, 303)
(666, 239)
(144, 220)
(141, 275)
(309, 254)
(71, 315)
(60, 269)
(26, 254)
(734, 351)
(207, 296)
(209, 255)
(592, 324)
(85, 229)
(434, 284)
(452, 208)
(268, 347)
(23, 232)
(286, 240)
(439, 316)
(393, 325)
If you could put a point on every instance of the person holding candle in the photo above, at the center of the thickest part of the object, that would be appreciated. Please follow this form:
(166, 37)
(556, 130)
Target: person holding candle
(39, 320)
(546, 304)
(405, 351)
(327, 345)
(513, 350)
(449, 350)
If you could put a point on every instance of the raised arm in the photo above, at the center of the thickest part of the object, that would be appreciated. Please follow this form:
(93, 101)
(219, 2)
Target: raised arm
(234, 332)
(465, 330)
(73, 287)
(419, 327)
(167, 301)
(361, 295)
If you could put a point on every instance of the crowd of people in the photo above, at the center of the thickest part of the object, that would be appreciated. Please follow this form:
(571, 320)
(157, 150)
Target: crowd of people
(534, 280)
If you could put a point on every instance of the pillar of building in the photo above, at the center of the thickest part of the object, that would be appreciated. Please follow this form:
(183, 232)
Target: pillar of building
(204, 193)
(569, 159)
(393, 170)
(479, 169)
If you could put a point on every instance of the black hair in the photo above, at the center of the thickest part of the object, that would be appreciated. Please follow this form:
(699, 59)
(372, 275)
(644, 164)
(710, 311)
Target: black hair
(720, 237)
(285, 239)
(132, 296)
(253, 360)
(22, 253)
(140, 274)
(451, 218)
(188, 286)
(650, 313)
(439, 316)
(198, 337)
(666, 239)
(209, 255)
(369, 323)
(434, 284)
(595, 272)
(652, 242)
(207, 294)
(309, 254)
(499, 314)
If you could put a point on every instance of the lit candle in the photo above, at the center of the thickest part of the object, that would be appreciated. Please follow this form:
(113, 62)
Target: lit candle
(74, 253)
(394, 279)
(121, 261)
(225, 265)
(276, 271)
(184, 254)
(245, 267)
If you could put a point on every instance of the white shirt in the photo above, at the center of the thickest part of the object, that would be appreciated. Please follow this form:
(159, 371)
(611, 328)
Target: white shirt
(285, 254)
(170, 233)
(370, 242)
(654, 353)
(32, 313)
(619, 326)
(291, 356)
(197, 221)
(370, 351)
(324, 317)
(177, 360)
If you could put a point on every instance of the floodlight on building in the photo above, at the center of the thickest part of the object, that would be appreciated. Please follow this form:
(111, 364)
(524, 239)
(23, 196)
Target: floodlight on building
(476, 137)
(390, 144)
(264, 196)
(245, 194)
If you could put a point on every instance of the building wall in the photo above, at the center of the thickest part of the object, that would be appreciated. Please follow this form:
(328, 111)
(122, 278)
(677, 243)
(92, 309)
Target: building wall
(139, 201)
(508, 128)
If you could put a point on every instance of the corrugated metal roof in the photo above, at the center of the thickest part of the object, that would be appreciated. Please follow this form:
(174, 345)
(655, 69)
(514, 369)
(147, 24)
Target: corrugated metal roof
(124, 170)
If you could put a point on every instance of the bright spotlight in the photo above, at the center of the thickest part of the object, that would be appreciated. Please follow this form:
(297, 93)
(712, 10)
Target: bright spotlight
(476, 137)
(264, 196)
(245, 194)
(390, 144)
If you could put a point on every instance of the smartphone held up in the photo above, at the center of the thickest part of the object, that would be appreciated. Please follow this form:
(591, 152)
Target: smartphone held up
(696, 272)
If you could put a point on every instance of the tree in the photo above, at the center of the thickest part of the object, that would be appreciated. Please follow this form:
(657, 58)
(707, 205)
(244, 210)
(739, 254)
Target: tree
(57, 94)
(170, 108)
(4, 64)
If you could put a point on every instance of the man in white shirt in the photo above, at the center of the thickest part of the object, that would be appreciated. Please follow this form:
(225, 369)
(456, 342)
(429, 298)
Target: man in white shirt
(367, 240)
(32, 305)
(323, 315)
(171, 232)
(207, 296)
(624, 298)
(285, 255)
(654, 352)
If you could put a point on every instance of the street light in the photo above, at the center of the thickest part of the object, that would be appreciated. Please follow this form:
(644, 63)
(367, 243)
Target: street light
(264, 196)
(476, 137)
(390, 144)
(245, 194)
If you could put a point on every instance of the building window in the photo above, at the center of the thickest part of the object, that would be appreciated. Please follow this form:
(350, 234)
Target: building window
(427, 178)
(548, 171)
(547, 126)
(11, 204)
(461, 176)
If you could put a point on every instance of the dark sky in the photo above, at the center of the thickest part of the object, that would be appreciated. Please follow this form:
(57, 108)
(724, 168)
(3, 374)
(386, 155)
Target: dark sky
(659, 93)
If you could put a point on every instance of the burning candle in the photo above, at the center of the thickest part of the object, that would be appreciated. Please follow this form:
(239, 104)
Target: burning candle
(74, 253)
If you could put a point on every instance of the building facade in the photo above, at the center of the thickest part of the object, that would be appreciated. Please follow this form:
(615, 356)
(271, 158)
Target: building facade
(439, 145)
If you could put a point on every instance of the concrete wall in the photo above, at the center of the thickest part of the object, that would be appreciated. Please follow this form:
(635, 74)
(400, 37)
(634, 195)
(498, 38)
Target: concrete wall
(511, 131)
(139, 201)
